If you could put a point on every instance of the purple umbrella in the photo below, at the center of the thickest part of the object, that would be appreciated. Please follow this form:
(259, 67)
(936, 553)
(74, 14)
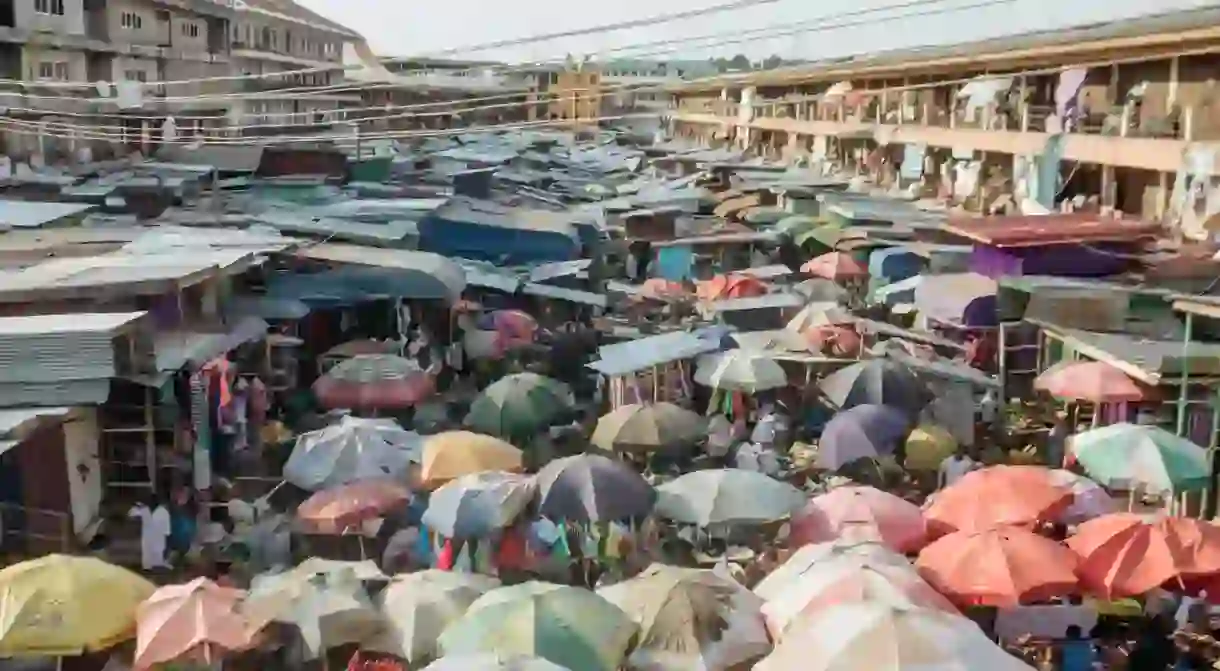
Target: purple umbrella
(861, 432)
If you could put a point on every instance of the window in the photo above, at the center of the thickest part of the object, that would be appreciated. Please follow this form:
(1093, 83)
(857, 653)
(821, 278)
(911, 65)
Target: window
(55, 7)
(135, 76)
(57, 70)
(190, 29)
(61, 71)
(131, 20)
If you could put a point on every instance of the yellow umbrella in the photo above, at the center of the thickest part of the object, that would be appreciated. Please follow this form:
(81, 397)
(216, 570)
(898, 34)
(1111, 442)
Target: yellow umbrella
(59, 606)
(452, 454)
(927, 447)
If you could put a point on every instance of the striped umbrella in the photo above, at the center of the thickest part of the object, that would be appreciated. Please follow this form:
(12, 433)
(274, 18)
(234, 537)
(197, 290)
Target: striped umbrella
(374, 382)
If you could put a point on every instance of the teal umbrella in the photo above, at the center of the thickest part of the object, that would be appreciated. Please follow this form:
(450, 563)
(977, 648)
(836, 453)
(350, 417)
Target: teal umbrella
(572, 627)
(519, 406)
(795, 225)
(1131, 456)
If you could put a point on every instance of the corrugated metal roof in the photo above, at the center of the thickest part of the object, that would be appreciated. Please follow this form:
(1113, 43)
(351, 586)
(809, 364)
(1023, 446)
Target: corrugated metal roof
(65, 276)
(31, 214)
(175, 349)
(444, 270)
(1054, 229)
(71, 392)
(642, 354)
(563, 294)
(12, 419)
(101, 322)
(55, 348)
(775, 300)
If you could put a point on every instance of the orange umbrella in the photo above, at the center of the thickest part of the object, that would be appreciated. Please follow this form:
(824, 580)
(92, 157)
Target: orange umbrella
(998, 496)
(198, 621)
(1124, 554)
(1091, 381)
(1001, 567)
(731, 286)
(861, 513)
(340, 509)
(662, 289)
(835, 266)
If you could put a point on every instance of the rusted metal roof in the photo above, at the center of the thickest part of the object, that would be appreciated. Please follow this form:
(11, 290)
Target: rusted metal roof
(1057, 229)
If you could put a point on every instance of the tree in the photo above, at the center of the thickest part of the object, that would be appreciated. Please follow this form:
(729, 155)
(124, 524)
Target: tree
(772, 62)
(739, 62)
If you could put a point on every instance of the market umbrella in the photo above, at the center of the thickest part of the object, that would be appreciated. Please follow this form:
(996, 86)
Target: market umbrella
(418, 606)
(374, 382)
(328, 609)
(50, 606)
(795, 225)
(740, 370)
(861, 513)
(197, 621)
(726, 496)
(1002, 568)
(876, 382)
(825, 239)
(841, 581)
(478, 504)
(493, 662)
(1092, 381)
(659, 288)
(810, 558)
(818, 289)
(569, 626)
(838, 340)
(344, 508)
(1013, 496)
(1089, 499)
(927, 447)
(360, 570)
(652, 427)
(690, 619)
(592, 488)
(1135, 456)
(453, 454)
(519, 405)
(861, 432)
(835, 266)
(968, 299)
(881, 637)
(1124, 554)
(351, 450)
(721, 287)
(513, 328)
(821, 313)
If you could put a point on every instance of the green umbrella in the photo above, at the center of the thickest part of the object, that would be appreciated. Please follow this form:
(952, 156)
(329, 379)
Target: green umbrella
(518, 406)
(796, 225)
(572, 627)
(1130, 456)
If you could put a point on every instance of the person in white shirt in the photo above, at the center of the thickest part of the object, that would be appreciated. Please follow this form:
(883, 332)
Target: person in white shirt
(954, 467)
(747, 457)
(988, 408)
(154, 534)
(768, 460)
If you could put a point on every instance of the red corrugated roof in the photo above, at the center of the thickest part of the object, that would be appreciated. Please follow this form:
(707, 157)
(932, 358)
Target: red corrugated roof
(1055, 229)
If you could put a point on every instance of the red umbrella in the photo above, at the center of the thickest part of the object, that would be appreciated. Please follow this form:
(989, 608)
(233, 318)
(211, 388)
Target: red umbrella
(731, 286)
(859, 513)
(1091, 381)
(374, 382)
(835, 266)
(998, 496)
(1124, 554)
(1001, 567)
(344, 508)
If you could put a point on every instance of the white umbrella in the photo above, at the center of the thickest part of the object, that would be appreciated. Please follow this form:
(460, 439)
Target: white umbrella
(808, 558)
(727, 496)
(353, 449)
(740, 370)
(886, 638)
(418, 606)
(493, 662)
(821, 313)
(328, 609)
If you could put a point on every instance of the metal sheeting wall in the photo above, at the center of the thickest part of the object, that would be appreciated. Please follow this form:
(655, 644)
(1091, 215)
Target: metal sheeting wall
(54, 357)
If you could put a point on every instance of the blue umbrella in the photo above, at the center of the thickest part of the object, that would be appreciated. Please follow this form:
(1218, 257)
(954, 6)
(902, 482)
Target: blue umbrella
(862, 432)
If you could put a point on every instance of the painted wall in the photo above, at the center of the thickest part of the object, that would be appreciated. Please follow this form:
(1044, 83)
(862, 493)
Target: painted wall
(84, 471)
(72, 22)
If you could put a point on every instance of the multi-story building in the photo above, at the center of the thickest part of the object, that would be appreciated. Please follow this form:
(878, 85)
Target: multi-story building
(435, 93)
(638, 84)
(1130, 111)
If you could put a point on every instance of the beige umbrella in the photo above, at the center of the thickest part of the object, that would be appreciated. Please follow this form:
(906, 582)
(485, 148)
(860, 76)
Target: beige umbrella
(418, 606)
(361, 570)
(452, 454)
(740, 370)
(328, 609)
(822, 313)
(808, 559)
(690, 619)
(647, 428)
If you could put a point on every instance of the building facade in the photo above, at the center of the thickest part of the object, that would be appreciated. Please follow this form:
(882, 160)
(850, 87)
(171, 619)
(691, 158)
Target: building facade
(1129, 110)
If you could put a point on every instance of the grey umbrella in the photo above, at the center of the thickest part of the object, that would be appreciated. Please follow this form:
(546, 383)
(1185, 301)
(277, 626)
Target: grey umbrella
(864, 431)
(476, 505)
(592, 488)
(876, 382)
(727, 496)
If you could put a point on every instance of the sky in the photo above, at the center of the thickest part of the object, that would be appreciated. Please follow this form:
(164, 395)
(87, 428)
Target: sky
(797, 29)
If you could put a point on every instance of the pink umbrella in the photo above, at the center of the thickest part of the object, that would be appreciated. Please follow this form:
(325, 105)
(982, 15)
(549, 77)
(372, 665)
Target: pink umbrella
(374, 382)
(198, 621)
(835, 266)
(342, 509)
(857, 513)
(1091, 381)
(514, 328)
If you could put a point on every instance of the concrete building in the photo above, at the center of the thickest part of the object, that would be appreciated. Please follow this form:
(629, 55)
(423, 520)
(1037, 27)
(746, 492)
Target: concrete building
(632, 83)
(439, 93)
(1128, 109)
